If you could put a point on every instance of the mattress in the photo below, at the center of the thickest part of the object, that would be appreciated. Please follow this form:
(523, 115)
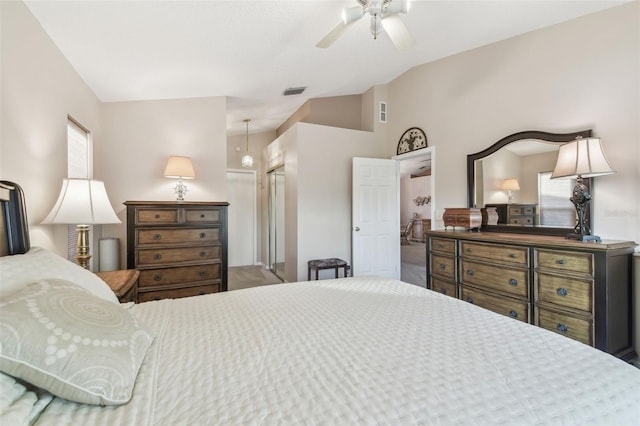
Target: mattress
(356, 351)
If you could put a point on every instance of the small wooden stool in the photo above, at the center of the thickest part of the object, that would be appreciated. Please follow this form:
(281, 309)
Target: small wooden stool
(332, 263)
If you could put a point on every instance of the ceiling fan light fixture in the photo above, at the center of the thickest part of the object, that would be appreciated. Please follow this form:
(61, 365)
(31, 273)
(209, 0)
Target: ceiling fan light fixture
(376, 25)
(352, 14)
(398, 6)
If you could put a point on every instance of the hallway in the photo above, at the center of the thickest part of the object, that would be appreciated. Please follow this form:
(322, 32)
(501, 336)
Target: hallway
(413, 258)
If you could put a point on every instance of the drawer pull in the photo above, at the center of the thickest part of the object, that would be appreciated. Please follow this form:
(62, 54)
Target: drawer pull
(470, 272)
(202, 215)
(157, 216)
(157, 277)
(469, 249)
(562, 292)
(203, 253)
(157, 256)
(561, 262)
(513, 314)
(202, 273)
(513, 282)
(443, 290)
(470, 300)
(440, 245)
(563, 328)
(443, 266)
(157, 237)
(513, 255)
(157, 298)
(202, 235)
(201, 293)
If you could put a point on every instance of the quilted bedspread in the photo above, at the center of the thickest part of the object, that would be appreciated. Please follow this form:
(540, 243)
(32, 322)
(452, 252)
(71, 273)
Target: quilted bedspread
(356, 351)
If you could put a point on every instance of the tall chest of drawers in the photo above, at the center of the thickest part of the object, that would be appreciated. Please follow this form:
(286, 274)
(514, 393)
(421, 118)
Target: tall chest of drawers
(180, 248)
(580, 290)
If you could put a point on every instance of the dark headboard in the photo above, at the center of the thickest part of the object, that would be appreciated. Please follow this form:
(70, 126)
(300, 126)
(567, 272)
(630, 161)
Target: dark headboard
(14, 235)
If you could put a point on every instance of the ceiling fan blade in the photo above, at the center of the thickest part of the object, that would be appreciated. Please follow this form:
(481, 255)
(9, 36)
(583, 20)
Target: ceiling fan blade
(398, 32)
(333, 35)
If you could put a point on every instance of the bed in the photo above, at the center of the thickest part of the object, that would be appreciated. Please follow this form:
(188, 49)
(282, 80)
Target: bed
(359, 350)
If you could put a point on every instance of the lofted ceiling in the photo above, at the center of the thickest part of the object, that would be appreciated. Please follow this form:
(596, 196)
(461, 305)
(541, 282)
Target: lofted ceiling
(251, 51)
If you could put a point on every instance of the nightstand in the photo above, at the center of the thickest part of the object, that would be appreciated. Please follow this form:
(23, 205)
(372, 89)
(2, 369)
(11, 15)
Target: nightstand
(124, 283)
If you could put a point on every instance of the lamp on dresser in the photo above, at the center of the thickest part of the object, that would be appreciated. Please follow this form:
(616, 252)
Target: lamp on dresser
(579, 159)
(82, 202)
(510, 185)
(179, 167)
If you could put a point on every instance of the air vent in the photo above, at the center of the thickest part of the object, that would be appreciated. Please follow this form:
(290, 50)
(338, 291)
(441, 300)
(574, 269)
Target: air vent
(293, 91)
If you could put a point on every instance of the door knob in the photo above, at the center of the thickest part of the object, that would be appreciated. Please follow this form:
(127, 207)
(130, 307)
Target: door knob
(357, 228)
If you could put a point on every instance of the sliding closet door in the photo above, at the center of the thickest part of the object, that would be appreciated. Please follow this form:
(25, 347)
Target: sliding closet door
(276, 221)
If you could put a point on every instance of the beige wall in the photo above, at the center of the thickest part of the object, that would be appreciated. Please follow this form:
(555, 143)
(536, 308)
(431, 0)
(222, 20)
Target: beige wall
(336, 111)
(576, 75)
(39, 90)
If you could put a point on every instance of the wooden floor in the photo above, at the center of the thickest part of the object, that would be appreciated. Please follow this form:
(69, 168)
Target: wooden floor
(250, 276)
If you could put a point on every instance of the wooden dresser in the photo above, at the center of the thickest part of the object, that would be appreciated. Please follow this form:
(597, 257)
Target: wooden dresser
(577, 289)
(180, 248)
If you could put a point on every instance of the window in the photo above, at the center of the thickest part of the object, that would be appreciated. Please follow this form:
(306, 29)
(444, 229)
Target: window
(79, 165)
(555, 207)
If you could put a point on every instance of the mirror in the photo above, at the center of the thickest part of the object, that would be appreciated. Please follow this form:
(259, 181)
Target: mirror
(538, 205)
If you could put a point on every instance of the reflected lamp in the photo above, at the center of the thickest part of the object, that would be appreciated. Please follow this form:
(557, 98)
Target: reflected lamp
(510, 185)
(580, 159)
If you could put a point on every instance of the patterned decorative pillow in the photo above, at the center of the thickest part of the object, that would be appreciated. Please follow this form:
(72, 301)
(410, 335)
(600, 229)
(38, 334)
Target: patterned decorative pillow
(59, 337)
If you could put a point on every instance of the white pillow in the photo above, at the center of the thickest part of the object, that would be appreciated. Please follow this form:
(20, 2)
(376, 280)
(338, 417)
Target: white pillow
(61, 338)
(38, 263)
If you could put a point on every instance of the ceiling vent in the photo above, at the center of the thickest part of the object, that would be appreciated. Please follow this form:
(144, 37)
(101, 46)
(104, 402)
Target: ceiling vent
(293, 91)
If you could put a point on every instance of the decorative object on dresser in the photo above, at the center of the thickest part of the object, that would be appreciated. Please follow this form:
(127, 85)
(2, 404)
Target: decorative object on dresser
(516, 213)
(578, 289)
(510, 185)
(247, 160)
(124, 283)
(579, 159)
(82, 202)
(179, 167)
(180, 248)
(468, 218)
(489, 216)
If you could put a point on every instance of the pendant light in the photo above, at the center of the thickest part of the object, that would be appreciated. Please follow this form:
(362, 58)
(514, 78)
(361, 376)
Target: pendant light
(247, 160)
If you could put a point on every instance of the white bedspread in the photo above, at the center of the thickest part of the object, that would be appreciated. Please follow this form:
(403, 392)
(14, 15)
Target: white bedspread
(359, 351)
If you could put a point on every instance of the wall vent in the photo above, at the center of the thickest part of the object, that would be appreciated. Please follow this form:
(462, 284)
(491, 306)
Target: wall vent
(293, 91)
(382, 113)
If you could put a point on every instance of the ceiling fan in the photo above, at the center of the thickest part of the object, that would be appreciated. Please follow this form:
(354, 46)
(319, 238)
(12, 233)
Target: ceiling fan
(384, 15)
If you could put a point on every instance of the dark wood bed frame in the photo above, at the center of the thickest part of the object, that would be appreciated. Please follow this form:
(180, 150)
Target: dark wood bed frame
(14, 233)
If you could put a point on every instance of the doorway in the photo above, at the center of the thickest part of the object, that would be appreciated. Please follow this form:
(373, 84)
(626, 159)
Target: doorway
(276, 180)
(241, 194)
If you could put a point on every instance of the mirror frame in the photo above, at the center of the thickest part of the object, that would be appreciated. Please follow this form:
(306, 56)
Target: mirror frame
(559, 138)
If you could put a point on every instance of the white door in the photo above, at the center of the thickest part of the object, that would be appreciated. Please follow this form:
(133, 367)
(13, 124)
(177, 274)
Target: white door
(376, 217)
(241, 194)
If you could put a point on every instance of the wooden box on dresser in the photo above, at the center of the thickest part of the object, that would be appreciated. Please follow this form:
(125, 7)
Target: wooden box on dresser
(582, 290)
(180, 248)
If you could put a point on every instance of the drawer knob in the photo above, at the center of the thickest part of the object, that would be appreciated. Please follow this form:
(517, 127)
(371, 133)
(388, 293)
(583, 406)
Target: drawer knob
(513, 255)
(470, 272)
(443, 290)
(513, 314)
(157, 277)
(440, 245)
(202, 235)
(202, 273)
(202, 215)
(203, 253)
(443, 266)
(202, 292)
(157, 237)
(562, 292)
(470, 299)
(561, 262)
(563, 328)
(157, 216)
(513, 282)
(469, 249)
(157, 256)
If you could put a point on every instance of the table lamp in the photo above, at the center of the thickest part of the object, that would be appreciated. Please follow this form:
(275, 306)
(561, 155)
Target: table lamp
(181, 168)
(510, 185)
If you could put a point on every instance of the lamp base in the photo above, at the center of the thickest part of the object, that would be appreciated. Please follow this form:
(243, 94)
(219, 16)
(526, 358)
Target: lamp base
(83, 256)
(582, 237)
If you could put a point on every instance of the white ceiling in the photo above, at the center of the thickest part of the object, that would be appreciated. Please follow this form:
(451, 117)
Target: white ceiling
(250, 51)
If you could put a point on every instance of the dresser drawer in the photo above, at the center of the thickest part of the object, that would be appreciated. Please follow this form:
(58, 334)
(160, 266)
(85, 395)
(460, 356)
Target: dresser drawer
(443, 287)
(156, 216)
(564, 291)
(443, 266)
(203, 215)
(163, 256)
(179, 275)
(575, 327)
(521, 210)
(568, 261)
(515, 255)
(176, 293)
(521, 220)
(514, 308)
(177, 236)
(507, 280)
(443, 246)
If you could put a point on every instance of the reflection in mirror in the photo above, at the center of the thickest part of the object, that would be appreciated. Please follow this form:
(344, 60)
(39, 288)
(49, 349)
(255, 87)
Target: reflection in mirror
(520, 165)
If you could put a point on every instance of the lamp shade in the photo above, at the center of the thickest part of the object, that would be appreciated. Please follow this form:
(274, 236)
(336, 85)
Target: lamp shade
(82, 201)
(511, 184)
(582, 157)
(179, 167)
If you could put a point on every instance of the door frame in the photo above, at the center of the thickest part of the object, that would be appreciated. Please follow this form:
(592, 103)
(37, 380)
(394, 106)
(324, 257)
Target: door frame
(254, 208)
(426, 152)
